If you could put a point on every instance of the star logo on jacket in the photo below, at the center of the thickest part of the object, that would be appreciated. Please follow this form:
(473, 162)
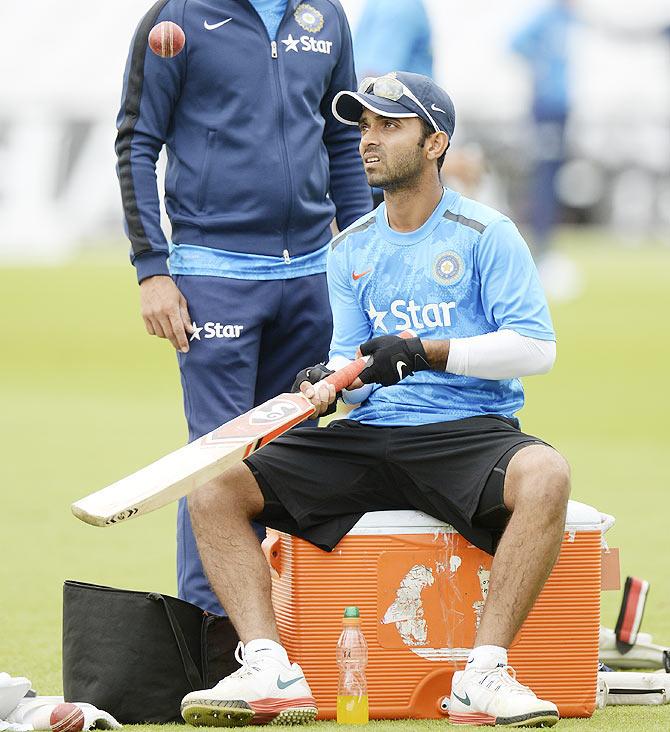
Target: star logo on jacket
(308, 18)
(291, 43)
(307, 43)
(378, 317)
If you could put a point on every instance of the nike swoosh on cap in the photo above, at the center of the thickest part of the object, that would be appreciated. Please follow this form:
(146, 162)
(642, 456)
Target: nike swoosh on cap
(362, 274)
(437, 109)
(214, 26)
(283, 684)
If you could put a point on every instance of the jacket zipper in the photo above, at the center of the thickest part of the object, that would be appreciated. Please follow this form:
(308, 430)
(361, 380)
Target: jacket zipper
(274, 54)
(284, 147)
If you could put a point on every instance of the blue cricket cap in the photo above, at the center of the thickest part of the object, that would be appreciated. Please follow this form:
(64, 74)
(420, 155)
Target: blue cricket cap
(398, 94)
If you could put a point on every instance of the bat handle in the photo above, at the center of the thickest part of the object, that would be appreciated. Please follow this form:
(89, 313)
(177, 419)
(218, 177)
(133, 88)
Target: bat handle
(345, 376)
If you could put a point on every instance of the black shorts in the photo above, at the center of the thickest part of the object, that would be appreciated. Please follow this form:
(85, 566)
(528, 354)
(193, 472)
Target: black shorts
(318, 482)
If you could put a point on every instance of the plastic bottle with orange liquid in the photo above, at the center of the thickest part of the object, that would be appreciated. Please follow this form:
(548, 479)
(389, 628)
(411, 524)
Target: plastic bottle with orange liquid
(352, 658)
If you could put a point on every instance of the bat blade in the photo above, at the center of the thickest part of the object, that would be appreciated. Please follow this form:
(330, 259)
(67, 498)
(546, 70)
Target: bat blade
(182, 471)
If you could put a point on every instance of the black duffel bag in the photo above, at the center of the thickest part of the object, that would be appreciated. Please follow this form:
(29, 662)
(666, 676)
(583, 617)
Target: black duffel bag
(136, 654)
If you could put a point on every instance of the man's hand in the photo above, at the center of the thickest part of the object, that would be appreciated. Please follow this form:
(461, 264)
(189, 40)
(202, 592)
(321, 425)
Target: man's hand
(324, 397)
(393, 358)
(165, 311)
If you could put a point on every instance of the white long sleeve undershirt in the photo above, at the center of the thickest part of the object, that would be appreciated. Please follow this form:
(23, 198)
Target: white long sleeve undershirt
(503, 354)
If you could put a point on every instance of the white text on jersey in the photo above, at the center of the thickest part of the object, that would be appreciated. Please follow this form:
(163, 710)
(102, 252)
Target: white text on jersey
(413, 316)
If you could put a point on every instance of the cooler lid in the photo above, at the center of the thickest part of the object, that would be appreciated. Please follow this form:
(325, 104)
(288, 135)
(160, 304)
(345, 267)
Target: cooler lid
(399, 522)
(580, 517)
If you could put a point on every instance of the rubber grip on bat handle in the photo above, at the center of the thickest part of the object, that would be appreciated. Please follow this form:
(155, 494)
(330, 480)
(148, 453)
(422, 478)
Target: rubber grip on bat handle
(345, 376)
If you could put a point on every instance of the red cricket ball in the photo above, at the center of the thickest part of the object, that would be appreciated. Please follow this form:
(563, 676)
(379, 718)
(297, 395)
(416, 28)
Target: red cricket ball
(166, 39)
(67, 718)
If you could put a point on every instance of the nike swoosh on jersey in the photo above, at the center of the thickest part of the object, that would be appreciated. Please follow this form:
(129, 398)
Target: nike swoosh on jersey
(214, 26)
(283, 684)
(362, 274)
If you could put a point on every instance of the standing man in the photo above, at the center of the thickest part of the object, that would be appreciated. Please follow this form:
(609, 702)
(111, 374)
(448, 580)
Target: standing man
(396, 34)
(435, 431)
(257, 169)
(545, 43)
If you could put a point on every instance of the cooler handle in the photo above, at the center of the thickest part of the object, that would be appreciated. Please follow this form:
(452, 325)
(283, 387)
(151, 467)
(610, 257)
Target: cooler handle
(606, 523)
(271, 546)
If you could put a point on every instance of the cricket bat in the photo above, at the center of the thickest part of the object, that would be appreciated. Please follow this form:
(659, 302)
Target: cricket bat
(183, 470)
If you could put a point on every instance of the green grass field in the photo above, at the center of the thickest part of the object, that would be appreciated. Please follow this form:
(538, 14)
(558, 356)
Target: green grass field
(86, 397)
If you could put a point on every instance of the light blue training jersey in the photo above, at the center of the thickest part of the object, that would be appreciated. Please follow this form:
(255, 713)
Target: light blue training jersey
(467, 271)
(271, 12)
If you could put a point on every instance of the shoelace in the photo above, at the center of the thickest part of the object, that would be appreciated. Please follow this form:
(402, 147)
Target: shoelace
(504, 676)
(246, 669)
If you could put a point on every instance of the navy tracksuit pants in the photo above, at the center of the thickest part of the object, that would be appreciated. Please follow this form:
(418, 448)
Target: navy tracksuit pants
(252, 337)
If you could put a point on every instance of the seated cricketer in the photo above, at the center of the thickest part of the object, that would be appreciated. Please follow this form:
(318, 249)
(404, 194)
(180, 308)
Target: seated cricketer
(435, 429)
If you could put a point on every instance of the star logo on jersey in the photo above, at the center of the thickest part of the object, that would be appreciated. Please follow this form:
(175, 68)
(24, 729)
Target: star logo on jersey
(291, 43)
(378, 316)
(412, 315)
(448, 268)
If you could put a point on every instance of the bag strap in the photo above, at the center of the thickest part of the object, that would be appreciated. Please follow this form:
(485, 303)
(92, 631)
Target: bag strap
(191, 670)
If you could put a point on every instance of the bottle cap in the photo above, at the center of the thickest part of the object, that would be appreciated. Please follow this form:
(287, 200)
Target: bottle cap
(351, 612)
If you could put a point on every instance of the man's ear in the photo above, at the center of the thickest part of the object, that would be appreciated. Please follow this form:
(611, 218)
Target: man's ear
(437, 145)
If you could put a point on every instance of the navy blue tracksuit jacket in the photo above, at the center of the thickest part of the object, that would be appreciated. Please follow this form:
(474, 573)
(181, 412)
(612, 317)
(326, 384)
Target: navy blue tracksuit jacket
(257, 163)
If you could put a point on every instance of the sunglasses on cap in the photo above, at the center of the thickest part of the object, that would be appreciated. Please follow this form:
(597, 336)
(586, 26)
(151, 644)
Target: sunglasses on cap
(393, 89)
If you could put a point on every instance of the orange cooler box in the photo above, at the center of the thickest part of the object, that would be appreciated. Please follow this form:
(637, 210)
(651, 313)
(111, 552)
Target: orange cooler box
(421, 587)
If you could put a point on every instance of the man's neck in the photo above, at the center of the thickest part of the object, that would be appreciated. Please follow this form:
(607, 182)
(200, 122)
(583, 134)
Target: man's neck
(408, 209)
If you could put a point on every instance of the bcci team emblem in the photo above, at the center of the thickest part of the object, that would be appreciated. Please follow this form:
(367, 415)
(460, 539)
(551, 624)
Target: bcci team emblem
(448, 268)
(308, 18)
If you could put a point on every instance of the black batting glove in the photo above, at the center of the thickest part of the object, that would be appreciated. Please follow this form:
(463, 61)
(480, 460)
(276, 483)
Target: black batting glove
(314, 374)
(393, 358)
(311, 374)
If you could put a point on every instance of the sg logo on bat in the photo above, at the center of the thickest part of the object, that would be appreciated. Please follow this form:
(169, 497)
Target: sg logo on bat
(259, 421)
(274, 411)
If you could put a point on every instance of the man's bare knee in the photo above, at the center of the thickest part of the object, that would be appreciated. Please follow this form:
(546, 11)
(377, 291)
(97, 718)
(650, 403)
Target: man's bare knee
(235, 492)
(538, 476)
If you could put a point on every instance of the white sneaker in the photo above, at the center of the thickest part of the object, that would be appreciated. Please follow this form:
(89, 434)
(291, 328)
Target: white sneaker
(262, 691)
(495, 697)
